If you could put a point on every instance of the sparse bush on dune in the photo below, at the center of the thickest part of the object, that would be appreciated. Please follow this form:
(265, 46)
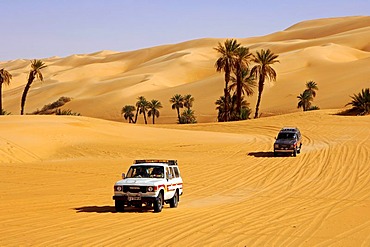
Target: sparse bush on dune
(360, 103)
(66, 112)
(3, 112)
(53, 108)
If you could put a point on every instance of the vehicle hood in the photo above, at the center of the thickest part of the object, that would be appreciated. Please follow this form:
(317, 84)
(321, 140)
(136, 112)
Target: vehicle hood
(285, 141)
(140, 181)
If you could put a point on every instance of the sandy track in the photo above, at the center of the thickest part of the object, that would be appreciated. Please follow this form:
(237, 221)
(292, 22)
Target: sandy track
(236, 193)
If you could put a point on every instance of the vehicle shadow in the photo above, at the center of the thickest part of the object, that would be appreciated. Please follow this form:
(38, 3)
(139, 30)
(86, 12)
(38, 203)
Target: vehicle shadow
(268, 154)
(110, 209)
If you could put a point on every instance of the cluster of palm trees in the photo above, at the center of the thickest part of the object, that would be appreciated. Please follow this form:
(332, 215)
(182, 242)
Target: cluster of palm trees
(179, 101)
(35, 72)
(151, 108)
(305, 98)
(142, 107)
(235, 62)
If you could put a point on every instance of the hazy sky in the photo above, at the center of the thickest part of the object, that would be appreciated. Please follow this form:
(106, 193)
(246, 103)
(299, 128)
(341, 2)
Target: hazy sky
(45, 28)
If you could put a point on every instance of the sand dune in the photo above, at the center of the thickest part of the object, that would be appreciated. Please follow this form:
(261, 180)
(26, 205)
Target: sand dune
(58, 175)
(332, 51)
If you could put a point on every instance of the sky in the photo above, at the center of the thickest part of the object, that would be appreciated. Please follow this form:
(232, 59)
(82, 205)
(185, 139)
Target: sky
(45, 28)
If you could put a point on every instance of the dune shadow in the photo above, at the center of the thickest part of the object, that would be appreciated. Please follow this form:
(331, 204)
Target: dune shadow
(109, 209)
(268, 154)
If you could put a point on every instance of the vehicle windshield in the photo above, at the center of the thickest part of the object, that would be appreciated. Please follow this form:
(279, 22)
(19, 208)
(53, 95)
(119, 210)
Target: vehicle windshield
(145, 172)
(286, 136)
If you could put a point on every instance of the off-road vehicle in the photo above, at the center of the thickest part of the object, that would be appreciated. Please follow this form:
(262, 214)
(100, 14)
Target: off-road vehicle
(151, 183)
(289, 140)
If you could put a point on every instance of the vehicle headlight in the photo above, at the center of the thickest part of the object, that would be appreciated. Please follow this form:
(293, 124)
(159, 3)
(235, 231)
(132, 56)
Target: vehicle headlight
(118, 188)
(276, 145)
(291, 146)
(150, 189)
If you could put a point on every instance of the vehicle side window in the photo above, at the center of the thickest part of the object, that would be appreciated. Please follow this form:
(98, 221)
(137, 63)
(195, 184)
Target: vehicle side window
(176, 172)
(169, 173)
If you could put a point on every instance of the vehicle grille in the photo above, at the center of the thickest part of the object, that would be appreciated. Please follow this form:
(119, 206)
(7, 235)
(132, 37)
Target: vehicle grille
(134, 189)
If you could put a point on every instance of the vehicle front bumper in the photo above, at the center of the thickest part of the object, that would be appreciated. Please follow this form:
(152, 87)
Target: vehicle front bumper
(283, 150)
(143, 199)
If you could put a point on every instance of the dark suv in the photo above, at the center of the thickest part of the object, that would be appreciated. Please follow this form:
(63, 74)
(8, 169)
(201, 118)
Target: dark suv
(289, 140)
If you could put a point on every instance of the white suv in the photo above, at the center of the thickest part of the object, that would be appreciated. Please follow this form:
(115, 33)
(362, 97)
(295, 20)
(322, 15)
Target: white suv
(149, 182)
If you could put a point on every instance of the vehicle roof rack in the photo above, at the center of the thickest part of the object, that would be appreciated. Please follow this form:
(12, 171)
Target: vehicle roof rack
(169, 162)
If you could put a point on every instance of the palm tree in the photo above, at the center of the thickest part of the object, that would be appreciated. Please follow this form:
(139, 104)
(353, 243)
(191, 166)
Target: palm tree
(143, 104)
(154, 107)
(305, 99)
(187, 117)
(5, 77)
(311, 87)
(35, 72)
(128, 112)
(234, 113)
(262, 70)
(188, 101)
(220, 103)
(177, 102)
(241, 63)
(361, 102)
(225, 63)
(140, 100)
(248, 83)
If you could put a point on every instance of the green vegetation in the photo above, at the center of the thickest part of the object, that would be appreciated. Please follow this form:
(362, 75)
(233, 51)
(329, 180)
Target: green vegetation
(305, 98)
(53, 108)
(235, 61)
(360, 103)
(263, 70)
(177, 102)
(35, 72)
(128, 113)
(153, 108)
(66, 112)
(5, 77)
(142, 107)
(234, 113)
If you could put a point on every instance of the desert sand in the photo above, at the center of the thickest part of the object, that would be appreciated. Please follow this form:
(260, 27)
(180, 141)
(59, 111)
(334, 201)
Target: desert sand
(58, 172)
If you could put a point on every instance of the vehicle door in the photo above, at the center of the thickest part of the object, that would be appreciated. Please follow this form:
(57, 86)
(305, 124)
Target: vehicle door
(170, 184)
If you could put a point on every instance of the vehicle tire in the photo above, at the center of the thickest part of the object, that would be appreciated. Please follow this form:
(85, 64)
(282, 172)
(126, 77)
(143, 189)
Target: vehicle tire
(158, 204)
(119, 206)
(275, 154)
(174, 200)
(295, 152)
(299, 150)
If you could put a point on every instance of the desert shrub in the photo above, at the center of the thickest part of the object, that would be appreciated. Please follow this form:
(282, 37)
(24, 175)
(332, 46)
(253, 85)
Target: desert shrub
(52, 108)
(361, 102)
(187, 117)
(66, 112)
(313, 108)
(3, 112)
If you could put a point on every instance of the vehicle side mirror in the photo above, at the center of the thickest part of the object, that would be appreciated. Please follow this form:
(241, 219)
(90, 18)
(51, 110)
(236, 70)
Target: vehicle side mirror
(123, 176)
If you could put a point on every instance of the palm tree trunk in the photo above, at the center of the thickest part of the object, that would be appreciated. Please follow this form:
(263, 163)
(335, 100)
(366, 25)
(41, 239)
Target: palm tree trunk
(137, 113)
(153, 118)
(178, 113)
(226, 94)
(31, 77)
(260, 89)
(239, 94)
(146, 122)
